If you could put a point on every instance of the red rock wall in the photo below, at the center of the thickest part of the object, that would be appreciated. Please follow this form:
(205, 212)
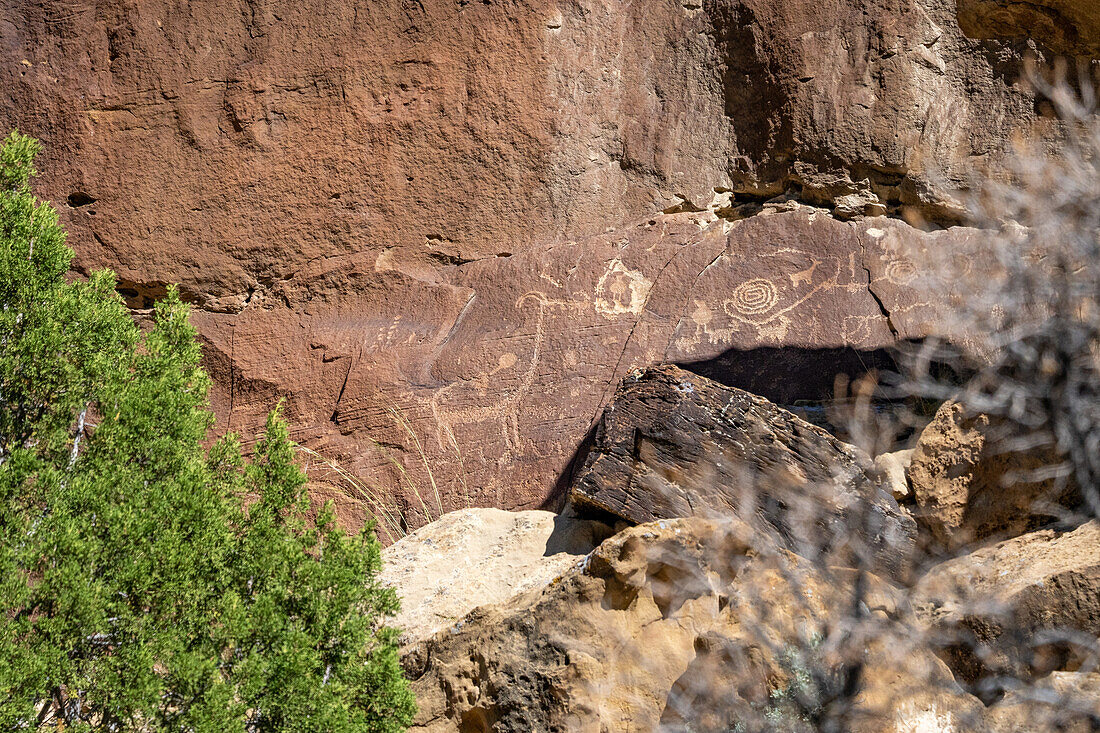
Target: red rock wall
(453, 208)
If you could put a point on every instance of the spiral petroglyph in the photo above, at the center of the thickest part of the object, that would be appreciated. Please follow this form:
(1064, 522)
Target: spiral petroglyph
(901, 271)
(753, 297)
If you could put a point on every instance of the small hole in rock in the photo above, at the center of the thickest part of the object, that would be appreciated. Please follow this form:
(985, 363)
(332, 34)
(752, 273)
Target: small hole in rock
(79, 198)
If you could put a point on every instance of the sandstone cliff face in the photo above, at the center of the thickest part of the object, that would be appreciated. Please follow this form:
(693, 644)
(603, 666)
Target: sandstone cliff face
(454, 209)
(1069, 27)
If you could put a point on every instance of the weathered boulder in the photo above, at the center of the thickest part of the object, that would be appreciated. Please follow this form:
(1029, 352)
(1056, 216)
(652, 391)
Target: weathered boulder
(394, 204)
(673, 622)
(1023, 607)
(674, 444)
(1062, 701)
(474, 557)
(892, 470)
(969, 486)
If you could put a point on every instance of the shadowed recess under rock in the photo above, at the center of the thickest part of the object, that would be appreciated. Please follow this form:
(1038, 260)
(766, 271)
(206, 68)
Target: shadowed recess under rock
(788, 374)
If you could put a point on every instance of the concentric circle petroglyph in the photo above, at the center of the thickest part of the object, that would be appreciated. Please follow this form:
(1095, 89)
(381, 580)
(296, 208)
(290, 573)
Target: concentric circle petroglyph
(753, 297)
(901, 271)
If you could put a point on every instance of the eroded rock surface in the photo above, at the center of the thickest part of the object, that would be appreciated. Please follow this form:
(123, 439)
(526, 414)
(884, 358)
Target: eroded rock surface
(969, 485)
(406, 205)
(666, 623)
(1063, 701)
(502, 368)
(1066, 27)
(228, 147)
(1025, 606)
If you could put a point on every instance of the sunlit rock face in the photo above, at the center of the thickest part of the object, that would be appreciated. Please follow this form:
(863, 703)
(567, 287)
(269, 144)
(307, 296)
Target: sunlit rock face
(444, 230)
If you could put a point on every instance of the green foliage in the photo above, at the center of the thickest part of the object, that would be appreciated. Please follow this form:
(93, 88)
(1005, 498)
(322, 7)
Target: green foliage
(809, 687)
(800, 701)
(139, 592)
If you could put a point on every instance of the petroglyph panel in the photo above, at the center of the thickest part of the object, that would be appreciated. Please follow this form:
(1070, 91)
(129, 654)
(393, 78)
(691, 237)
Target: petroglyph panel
(502, 370)
(919, 277)
(794, 280)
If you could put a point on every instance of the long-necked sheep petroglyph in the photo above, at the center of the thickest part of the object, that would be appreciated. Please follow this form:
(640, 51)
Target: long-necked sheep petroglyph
(496, 395)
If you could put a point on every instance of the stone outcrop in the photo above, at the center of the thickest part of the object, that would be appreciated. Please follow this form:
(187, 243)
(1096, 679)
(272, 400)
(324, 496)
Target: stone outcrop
(892, 471)
(407, 205)
(501, 369)
(969, 486)
(674, 444)
(227, 147)
(475, 557)
(1023, 607)
(666, 622)
(1063, 701)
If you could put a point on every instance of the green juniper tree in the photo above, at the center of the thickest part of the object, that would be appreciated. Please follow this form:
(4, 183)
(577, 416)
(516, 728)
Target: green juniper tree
(138, 592)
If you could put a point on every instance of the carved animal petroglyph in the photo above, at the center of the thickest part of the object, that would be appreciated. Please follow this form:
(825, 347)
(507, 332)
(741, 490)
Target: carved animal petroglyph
(762, 309)
(494, 395)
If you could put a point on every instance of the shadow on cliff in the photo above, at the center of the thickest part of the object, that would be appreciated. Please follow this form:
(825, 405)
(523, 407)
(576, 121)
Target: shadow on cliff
(788, 375)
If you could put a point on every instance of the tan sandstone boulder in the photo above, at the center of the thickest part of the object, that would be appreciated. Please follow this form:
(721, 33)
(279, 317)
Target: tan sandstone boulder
(1021, 608)
(475, 557)
(670, 624)
(1063, 701)
(892, 470)
(968, 487)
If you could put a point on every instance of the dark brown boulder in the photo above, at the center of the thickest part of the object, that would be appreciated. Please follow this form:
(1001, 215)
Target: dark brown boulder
(674, 444)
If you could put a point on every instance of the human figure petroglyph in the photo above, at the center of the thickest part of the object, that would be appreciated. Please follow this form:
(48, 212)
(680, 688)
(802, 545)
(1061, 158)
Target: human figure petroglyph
(621, 290)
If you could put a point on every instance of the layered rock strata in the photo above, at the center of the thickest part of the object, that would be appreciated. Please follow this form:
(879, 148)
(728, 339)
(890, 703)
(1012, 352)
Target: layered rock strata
(673, 444)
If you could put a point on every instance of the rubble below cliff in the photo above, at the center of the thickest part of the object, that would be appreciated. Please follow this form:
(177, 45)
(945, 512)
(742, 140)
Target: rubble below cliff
(695, 614)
